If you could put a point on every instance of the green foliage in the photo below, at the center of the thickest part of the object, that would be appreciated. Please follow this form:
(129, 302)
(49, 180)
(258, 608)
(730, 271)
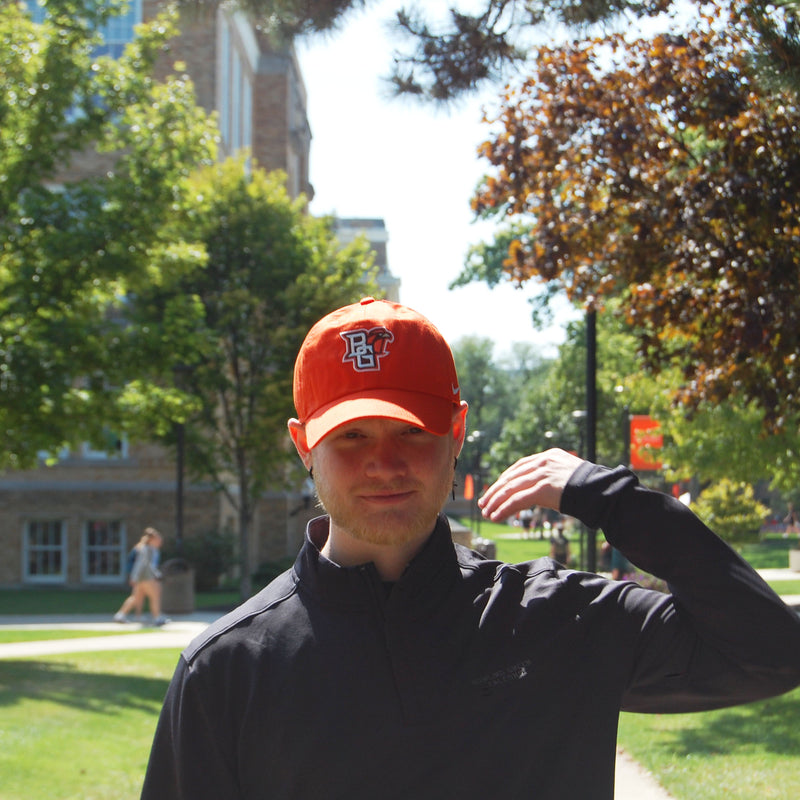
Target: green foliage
(442, 56)
(269, 570)
(210, 554)
(217, 337)
(536, 411)
(447, 54)
(214, 339)
(730, 509)
(726, 440)
(776, 55)
(549, 409)
(490, 392)
(69, 250)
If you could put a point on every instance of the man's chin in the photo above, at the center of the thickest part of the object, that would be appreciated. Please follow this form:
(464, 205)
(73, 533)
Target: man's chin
(390, 528)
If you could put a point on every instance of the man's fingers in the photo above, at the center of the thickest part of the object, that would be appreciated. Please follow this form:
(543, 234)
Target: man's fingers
(535, 480)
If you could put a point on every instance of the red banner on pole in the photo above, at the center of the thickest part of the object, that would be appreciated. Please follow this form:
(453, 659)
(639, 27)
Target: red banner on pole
(646, 441)
(469, 488)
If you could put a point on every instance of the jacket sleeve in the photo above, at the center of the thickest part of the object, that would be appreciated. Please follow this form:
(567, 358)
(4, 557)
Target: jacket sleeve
(722, 637)
(191, 756)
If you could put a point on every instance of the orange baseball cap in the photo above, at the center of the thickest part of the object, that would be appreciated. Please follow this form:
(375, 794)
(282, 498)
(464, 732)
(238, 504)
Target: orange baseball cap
(374, 359)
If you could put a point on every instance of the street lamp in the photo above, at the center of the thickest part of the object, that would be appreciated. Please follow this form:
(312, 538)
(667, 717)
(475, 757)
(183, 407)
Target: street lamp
(591, 416)
(626, 429)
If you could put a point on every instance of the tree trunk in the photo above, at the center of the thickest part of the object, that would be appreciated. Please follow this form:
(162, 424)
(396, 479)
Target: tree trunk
(245, 557)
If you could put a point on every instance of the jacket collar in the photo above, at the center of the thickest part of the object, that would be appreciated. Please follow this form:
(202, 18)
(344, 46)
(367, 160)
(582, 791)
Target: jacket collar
(429, 575)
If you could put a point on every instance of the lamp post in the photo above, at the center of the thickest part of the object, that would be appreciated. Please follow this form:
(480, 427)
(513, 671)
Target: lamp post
(626, 430)
(591, 416)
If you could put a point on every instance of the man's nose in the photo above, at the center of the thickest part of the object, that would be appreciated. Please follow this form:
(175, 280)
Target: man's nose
(385, 458)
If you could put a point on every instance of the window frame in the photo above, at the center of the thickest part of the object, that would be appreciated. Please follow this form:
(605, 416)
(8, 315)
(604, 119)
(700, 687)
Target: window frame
(61, 548)
(118, 549)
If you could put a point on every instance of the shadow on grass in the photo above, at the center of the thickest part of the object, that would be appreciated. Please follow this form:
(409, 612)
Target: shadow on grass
(770, 726)
(65, 683)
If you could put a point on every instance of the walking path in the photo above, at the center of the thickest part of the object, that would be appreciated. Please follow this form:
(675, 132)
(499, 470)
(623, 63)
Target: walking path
(633, 781)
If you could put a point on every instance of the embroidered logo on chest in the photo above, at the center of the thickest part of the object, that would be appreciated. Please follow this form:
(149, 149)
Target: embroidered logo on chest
(514, 672)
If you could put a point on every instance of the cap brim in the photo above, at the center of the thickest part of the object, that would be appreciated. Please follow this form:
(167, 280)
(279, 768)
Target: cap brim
(433, 414)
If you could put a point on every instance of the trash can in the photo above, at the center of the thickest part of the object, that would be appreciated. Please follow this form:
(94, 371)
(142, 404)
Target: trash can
(177, 587)
(486, 547)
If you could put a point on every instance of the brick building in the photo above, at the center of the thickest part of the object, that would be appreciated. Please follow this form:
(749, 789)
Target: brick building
(374, 230)
(72, 523)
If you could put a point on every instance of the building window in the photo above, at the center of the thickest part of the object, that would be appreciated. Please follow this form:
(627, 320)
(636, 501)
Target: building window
(247, 113)
(113, 446)
(103, 551)
(45, 551)
(119, 30)
(236, 104)
(224, 94)
(116, 33)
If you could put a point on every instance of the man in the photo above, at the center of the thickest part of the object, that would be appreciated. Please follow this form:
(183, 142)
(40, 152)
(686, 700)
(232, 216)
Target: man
(391, 663)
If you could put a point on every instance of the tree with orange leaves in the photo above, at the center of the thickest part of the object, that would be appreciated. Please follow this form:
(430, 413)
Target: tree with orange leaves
(657, 171)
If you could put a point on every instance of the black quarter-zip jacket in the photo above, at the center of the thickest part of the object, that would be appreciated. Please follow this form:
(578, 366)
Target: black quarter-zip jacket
(469, 678)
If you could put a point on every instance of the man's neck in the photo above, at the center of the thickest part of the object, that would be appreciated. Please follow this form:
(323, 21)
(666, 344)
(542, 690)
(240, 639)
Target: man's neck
(390, 560)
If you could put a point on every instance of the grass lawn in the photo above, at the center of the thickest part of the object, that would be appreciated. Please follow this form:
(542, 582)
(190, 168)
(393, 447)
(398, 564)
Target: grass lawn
(11, 635)
(745, 753)
(79, 727)
(90, 719)
(771, 552)
(785, 587)
(100, 601)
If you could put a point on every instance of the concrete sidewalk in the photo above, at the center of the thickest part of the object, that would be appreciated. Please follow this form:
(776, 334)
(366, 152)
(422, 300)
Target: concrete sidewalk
(633, 781)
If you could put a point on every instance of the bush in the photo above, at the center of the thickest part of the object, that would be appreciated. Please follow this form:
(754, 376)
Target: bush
(731, 510)
(211, 555)
(269, 570)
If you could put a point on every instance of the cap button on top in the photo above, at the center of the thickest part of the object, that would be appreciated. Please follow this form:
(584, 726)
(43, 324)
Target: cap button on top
(367, 300)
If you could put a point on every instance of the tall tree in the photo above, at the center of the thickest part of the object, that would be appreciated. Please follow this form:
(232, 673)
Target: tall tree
(684, 203)
(551, 406)
(233, 326)
(444, 57)
(776, 53)
(488, 390)
(67, 249)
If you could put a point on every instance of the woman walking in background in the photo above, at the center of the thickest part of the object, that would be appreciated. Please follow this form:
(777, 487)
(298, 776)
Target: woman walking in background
(144, 579)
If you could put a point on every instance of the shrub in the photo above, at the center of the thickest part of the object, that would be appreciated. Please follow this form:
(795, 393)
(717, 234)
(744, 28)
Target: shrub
(270, 570)
(731, 510)
(211, 555)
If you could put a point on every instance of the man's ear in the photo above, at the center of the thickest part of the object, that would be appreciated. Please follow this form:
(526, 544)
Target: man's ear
(460, 425)
(298, 433)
